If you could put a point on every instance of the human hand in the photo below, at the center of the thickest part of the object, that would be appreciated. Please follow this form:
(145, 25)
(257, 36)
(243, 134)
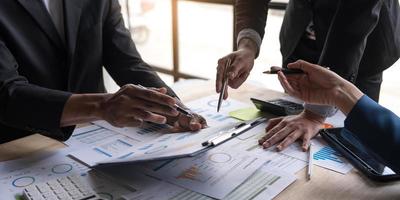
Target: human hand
(319, 85)
(242, 62)
(182, 123)
(133, 104)
(286, 130)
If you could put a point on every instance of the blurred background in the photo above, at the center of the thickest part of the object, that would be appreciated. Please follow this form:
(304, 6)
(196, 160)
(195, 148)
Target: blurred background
(183, 39)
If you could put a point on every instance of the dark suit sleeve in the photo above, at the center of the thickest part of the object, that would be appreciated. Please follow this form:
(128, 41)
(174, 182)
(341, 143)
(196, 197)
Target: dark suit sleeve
(346, 40)
(378, 128)
(121, 58)
(26, 106)
(251, 14)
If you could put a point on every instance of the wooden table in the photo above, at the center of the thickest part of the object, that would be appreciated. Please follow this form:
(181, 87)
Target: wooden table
(325, 184)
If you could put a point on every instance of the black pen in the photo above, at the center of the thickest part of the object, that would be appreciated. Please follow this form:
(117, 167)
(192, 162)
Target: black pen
(183, 111)
(284, 71)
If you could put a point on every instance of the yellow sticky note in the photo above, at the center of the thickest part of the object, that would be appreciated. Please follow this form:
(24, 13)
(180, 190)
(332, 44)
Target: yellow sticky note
(245, 114)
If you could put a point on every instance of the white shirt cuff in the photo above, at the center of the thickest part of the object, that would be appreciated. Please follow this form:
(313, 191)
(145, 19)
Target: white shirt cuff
(323, 111)
(252, 35)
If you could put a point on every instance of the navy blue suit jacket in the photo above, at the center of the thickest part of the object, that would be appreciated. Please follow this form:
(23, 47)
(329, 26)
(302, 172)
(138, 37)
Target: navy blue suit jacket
(378, 128)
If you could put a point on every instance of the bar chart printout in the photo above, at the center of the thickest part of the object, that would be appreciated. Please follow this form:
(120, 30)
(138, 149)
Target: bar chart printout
(327, 153)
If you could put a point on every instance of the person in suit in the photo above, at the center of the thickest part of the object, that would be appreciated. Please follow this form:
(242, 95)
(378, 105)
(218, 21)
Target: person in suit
(51, 58)
(357, 39)
(375, 126)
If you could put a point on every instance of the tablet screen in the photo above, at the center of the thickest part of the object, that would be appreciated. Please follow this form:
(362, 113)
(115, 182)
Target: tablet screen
(362, 153)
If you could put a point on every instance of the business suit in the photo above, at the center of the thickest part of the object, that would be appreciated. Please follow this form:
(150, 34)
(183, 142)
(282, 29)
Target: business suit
(357, 39)
(39, 72)
(377, 128)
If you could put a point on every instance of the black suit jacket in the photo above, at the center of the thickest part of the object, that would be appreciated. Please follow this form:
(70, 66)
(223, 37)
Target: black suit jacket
(353, 36)
(38, 72)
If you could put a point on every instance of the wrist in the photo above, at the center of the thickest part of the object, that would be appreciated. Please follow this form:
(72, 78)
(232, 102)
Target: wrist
(98, 106)
(313, 116)
(248, 45)
(83, 108)
(347, 96)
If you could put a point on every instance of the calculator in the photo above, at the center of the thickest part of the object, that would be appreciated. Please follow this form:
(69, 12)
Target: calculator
(69, 187)
(279, 107)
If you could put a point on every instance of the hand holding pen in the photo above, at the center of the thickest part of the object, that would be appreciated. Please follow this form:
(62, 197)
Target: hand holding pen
(132, 105)
(186, 120)
(224, 90)
(241, 64)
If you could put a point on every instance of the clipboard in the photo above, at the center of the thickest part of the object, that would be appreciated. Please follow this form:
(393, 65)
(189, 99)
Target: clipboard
(183, 149)
(359, 155)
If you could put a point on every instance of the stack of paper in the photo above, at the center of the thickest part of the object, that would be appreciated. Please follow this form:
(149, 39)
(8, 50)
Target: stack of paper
(237, 169)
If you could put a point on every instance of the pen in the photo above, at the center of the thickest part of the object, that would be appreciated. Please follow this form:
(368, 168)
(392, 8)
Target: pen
(178, 108)
(310, 161)
(284, 71)
(224, 84)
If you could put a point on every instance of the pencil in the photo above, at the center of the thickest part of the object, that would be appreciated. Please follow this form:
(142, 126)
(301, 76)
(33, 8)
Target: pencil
(310, 161)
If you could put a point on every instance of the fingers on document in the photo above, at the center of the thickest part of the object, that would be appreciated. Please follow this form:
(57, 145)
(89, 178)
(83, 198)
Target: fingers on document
(186, 123)
(271, 124)
(289, 139)
(201, 120)
(191, 123)
(197, 122)
(280, 133)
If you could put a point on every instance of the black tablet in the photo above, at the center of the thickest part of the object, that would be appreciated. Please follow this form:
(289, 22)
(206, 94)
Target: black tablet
(359, 155)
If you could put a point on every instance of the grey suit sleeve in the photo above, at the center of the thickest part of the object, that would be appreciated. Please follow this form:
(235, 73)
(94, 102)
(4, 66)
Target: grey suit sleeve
(121, 58)
(252, 35)
(321, 110)
(251, 17)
